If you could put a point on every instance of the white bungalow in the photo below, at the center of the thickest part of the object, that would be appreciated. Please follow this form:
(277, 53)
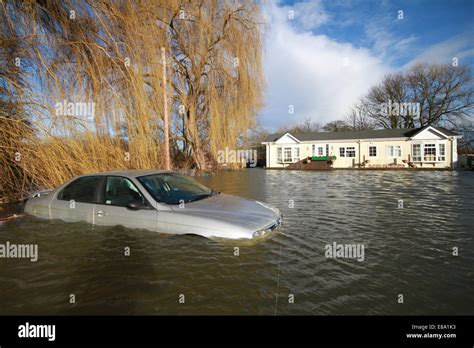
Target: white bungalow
(426, 147)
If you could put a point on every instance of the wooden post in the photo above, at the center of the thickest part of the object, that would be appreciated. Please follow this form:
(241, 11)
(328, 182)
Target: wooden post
(165, 113)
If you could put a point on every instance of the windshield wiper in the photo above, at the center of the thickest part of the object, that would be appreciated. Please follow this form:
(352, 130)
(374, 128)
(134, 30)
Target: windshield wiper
(199, 197)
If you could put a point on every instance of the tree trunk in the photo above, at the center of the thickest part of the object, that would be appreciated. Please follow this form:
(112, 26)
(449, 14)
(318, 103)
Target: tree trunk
(193, 138)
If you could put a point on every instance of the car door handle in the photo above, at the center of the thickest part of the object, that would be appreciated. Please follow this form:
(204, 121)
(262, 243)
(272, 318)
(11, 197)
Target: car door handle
(100, 213)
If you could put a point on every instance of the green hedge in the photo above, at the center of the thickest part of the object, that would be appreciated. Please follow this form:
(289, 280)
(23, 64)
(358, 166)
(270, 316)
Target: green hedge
(322, 158)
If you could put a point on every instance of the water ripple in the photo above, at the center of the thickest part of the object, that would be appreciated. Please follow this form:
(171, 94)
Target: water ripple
(408, 250)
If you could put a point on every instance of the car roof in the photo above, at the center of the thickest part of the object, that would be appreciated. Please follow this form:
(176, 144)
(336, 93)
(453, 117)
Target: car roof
(131, 173)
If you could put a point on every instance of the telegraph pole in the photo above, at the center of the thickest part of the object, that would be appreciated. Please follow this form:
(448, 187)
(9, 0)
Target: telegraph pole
(165, 113)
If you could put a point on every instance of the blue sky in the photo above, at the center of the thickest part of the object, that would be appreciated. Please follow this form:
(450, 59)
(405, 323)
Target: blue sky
(321, 56)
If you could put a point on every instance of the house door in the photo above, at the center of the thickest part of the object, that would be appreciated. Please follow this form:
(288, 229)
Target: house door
(320, 150)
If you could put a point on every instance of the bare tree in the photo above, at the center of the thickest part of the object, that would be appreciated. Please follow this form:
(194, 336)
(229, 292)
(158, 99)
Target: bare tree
(337, 126)
(441, 95)
(358, 119)
(308, 125)
(445, 93)
(393, 89)
(305, 126)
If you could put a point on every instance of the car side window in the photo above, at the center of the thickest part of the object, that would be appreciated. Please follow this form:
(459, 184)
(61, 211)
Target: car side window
(119, 191)
(81, 190)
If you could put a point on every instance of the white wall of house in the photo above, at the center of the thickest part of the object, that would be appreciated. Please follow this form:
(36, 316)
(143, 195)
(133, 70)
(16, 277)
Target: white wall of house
(428, 149)
(290, 148)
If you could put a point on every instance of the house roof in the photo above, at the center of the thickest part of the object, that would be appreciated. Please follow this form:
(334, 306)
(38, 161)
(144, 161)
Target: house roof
(365, 134)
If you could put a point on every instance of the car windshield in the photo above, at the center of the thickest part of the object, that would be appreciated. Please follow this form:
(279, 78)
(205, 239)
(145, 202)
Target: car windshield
(173, 188)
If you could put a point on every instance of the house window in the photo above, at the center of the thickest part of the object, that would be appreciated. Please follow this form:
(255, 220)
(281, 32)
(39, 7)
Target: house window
(372, 151)
(327, 149)
(287, 154)
(314, 150)
(416, 152)
(429, 152)
(394, 151)
(347, 151)
(320, 150)
(350, 152)
(296, 154)
(441, 152)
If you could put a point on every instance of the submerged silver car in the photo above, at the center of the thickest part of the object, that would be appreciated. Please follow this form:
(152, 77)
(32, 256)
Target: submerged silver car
(161, 201)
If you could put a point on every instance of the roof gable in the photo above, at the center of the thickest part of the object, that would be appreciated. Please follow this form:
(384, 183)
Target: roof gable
(430, 132)
(287, 138)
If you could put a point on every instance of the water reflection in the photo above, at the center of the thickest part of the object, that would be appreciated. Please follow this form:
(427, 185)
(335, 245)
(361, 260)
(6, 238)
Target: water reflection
(408, 251)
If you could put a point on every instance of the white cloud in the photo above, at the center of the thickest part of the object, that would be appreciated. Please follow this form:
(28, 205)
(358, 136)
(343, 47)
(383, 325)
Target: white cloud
(385, 44)
(307, 15)
(459, 47)
(308, 71)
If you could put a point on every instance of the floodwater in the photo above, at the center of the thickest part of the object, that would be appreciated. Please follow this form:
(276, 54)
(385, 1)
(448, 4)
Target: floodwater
(410, 223)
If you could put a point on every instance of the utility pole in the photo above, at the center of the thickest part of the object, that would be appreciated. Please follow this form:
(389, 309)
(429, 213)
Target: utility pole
(165, 113)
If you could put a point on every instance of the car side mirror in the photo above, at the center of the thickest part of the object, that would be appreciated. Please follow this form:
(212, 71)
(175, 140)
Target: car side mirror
(135, 205)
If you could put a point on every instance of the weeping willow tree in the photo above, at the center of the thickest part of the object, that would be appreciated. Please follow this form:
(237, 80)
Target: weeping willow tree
(217, 73)
(82, 91)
